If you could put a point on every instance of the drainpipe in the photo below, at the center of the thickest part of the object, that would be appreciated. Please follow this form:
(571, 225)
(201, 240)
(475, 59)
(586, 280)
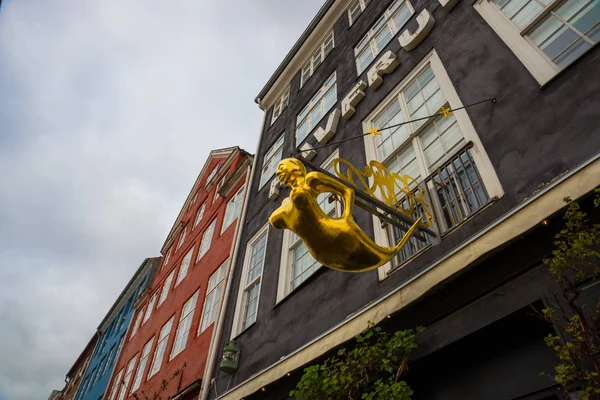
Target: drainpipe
(216, 336)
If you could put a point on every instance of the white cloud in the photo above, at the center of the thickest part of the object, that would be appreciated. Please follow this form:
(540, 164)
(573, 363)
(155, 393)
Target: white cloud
(109, 109)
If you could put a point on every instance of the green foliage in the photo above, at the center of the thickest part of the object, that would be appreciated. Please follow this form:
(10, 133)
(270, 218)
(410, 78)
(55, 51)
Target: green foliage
(370, 370)
(574, 261)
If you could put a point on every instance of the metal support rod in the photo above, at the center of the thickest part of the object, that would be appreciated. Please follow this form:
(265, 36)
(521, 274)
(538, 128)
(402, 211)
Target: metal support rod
(368, 200)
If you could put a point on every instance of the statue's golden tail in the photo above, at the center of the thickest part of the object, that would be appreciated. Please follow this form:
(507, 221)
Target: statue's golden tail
(407, 235)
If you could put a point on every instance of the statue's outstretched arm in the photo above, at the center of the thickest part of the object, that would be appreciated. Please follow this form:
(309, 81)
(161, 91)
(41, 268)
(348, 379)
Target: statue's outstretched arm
(322, 183)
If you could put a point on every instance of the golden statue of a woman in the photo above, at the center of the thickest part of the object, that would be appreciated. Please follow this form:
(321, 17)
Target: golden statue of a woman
(337, 243)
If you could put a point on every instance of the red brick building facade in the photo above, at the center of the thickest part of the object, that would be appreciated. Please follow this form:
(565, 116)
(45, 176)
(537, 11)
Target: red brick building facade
(174, 320)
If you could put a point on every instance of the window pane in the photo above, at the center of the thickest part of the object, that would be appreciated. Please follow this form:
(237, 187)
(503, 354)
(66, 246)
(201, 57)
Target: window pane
(439, 139)
(401, 17)
(381, 33)
(570, 8)
(383, 37)
(513, 7)
(330, 99)
(251, 306)
(436, 101)
(572, 53)
(321, 102)
(364, 59)
(559, 42)
(545, 30)
(354, 11)
(315, 115)
(587, 18)
(256, 258)
(527, 14)
(303, 265)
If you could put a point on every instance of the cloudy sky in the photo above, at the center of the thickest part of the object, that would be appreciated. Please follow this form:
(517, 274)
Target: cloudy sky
(108, 111)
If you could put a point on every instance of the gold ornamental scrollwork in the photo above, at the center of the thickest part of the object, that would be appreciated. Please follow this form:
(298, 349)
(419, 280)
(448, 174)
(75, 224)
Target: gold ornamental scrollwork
(389, 187)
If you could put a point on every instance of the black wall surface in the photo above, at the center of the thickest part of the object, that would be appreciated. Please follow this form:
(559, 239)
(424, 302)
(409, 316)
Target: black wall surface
(531, 135)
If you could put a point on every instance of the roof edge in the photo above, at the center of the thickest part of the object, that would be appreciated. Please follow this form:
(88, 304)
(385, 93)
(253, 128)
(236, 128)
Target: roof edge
(299, 43)
(148, 262)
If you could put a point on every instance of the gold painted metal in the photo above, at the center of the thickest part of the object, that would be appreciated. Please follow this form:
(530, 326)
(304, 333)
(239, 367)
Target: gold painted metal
(393, 189)
(337, 243)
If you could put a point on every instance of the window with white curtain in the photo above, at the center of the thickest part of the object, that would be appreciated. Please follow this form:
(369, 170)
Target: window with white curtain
(271, 161)
(381, 33)
(185, 266)
(137, 323)
(280, 105)
(200, 214)
(166, 287)
(182, 238)
(167, 257)
(249, 289)
(213, 295)
(159, 352)
(234, 207)
(545, 35)
(142, 365)
(206, 239)
(316, 109)
(185, 322)
(317, 58)
(356, 8)
(150, 307)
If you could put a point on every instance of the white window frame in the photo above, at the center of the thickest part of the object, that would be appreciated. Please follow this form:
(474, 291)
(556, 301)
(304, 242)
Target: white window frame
(240, 308)
(139, 374)
(182, 237)
(184, 325)
(290, 241)
(534, 59)
(150, 307)
(137, 323)
(390, 24)
(207, 238)
(127, 377)
(234, 209)
(272, 156)
(280, 105)
(317, 58)
(313, 104)
(480, 157)
(200, 214)
(185, 266)
(359, 5)
(212, 300)
(167, 257)
(161, 347)
(164, 293)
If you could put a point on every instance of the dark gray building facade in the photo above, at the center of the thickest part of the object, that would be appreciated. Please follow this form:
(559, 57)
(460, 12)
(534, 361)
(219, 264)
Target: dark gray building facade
(492, 173)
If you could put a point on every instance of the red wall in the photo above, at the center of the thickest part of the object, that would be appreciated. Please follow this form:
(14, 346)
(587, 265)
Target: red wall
(196, 351)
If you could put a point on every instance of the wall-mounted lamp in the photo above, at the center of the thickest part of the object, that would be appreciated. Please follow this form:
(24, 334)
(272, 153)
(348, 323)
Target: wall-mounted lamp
(231, 357)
